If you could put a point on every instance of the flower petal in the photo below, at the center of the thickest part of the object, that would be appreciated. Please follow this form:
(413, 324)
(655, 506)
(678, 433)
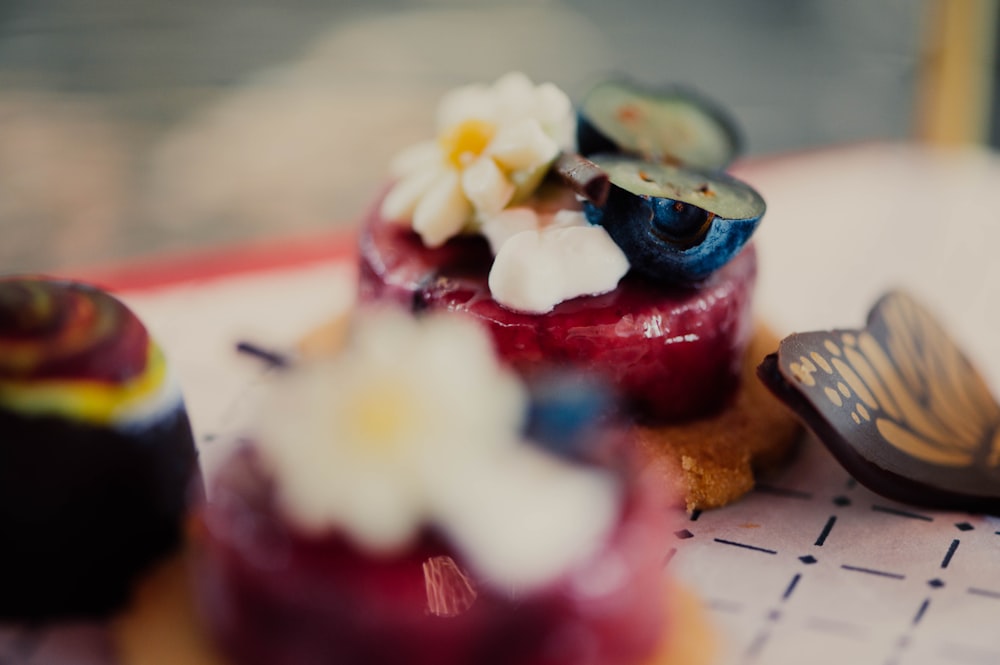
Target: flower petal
(443, 210)
(554, 111)
(381, 512)
(401, 201)
(467, 357)
(465, 103)
(486, 186)
(419, 157)
(515, 96)
(522, 146)
(565, 513)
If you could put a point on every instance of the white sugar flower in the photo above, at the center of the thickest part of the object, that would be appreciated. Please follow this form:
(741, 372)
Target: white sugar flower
(494, 145)
(417, 424)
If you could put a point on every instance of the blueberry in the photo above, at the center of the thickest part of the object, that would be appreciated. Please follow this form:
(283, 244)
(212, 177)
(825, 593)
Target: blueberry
(564, 409)
(672, 125)
(675, 224)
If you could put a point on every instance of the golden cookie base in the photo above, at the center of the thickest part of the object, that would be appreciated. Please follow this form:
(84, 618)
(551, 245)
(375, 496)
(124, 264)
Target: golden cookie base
(712, 461)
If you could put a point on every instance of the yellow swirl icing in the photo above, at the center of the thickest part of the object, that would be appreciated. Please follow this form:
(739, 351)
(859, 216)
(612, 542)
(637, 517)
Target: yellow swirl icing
(91, 402)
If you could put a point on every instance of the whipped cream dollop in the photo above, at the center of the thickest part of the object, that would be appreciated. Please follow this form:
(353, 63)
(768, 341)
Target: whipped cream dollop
(414, 424)
(494, 146)
(540, 263)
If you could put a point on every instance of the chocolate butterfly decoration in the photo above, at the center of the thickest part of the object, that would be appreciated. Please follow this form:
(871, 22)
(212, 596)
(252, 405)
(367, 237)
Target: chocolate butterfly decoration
(898, 404)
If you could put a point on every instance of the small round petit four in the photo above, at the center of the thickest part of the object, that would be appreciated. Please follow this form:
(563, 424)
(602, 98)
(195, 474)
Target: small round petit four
(629, 261)
(391, 509)
(96, 452)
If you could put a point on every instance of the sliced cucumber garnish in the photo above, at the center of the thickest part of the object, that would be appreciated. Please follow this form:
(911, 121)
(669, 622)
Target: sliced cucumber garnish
(673, 125)
(675, 224)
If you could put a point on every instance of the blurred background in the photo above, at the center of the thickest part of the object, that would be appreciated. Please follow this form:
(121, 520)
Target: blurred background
(135, 127)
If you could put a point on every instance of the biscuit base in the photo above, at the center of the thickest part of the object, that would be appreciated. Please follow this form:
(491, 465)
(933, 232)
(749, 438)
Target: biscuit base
(712, 461)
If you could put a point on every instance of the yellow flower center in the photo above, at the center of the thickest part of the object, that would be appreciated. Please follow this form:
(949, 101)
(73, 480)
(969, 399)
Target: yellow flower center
(380, 417)
(466, 141)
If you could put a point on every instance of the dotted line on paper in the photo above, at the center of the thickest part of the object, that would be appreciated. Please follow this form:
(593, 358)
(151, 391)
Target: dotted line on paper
(847, 629)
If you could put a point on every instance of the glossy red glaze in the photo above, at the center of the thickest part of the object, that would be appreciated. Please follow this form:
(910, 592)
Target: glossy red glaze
(672, 352)
(271, 594)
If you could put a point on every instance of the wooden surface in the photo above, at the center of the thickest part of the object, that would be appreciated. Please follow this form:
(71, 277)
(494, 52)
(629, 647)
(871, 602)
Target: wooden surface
(958, 74)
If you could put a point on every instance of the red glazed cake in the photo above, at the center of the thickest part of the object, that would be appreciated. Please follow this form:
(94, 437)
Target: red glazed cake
(629, 264)
(393, 508)
(96, 452)
(673, 353)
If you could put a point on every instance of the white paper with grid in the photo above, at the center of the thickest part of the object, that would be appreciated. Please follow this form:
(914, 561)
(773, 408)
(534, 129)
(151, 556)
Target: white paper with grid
(812, 567)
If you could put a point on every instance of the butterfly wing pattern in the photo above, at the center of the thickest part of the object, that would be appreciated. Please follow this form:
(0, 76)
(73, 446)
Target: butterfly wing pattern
(898, 404)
